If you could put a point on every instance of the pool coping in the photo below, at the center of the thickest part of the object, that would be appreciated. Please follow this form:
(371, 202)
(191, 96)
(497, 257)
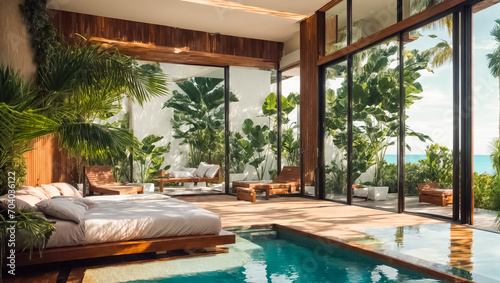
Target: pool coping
(371, 252)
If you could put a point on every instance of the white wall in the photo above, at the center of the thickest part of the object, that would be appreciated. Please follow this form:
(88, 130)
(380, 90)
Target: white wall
(251, 86)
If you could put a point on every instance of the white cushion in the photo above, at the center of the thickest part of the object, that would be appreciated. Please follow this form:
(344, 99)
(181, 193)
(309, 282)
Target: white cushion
(36, 192)
(202, 169)
(190, 170)
(63, 208)
(67, 189)
(212, 171)
(181, 174)
(51, 191)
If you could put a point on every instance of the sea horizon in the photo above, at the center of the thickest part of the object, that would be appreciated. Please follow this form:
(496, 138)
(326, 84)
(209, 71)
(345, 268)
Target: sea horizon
(482, 163)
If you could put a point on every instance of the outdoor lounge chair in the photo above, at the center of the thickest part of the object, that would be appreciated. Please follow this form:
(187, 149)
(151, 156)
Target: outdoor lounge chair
(431, 193)
(165, 178)
(286, 182)
(102, 182)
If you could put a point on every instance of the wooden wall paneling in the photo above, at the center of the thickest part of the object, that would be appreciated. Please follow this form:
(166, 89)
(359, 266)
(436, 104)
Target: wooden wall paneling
(47, 164)
(309, 54)
(69, 24)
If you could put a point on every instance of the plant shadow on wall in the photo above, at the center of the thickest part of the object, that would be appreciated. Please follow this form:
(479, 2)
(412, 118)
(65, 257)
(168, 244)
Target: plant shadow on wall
(199, 118)
(375, 113)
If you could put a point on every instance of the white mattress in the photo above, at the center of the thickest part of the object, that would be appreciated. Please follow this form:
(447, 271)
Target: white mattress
(122, 218)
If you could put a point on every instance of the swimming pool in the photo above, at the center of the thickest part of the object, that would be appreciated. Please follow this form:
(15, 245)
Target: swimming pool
(267, 254)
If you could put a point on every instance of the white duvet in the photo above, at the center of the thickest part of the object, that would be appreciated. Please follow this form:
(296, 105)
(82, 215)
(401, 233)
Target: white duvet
(135, 217)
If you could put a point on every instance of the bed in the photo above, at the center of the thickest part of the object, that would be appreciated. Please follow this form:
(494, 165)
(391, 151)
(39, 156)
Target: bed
(127, 224)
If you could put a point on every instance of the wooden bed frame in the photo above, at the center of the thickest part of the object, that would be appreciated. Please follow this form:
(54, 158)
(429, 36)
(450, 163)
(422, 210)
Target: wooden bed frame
(125, 248)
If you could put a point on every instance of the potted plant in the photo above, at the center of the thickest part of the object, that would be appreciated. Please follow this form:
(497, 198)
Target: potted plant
(149, 159)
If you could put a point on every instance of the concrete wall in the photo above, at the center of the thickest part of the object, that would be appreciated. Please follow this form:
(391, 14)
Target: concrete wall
(15, 42)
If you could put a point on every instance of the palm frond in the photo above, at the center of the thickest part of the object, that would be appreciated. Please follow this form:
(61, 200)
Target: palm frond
(92, 141)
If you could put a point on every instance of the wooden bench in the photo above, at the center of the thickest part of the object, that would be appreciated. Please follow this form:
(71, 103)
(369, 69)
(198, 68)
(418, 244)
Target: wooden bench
(431, 193)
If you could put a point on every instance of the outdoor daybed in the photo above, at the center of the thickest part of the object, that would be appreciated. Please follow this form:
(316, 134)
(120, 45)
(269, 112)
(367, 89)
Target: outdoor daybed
(206, 172)
(115, 225)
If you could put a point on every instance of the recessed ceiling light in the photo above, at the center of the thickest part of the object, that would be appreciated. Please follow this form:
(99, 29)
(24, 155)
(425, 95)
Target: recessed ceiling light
(246, 8)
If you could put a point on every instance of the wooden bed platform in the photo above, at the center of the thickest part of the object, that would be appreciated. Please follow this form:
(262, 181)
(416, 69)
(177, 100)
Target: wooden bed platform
(124, 248)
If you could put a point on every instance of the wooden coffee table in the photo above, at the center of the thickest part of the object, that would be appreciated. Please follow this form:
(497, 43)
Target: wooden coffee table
(245, 190)
(117, 190)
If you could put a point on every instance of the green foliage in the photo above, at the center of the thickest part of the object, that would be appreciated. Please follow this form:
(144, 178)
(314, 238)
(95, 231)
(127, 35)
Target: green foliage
(149, 158)
(413, 176)
(199, 118)
(375, 105)
(438, 166)
(241, 152)
(486, 191)
(259, 138)
(336, 181)
(44, 39)
(36, 231)
(494, 58)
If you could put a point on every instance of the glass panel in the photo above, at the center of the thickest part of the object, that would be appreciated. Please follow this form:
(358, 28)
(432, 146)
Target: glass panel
(336, 28)
(375, 125)
(181, 130)
(290, 128)
(429, 110)
(486, 115)
(369, 17)
(253, 114)
(336, 132)
(412, 7)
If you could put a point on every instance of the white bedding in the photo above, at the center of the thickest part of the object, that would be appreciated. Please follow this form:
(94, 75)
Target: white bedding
(123, 218)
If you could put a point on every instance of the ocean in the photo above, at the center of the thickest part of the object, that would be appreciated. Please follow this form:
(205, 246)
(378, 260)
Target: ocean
(482, 163)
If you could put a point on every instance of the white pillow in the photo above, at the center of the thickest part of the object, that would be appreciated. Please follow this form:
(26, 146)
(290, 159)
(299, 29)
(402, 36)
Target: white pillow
(212, 171)
(182, 174)
(67, 189)
(89, 203)
(51, 191)
(36, 192)
(202, 169)
(190, 170)
(63, 208)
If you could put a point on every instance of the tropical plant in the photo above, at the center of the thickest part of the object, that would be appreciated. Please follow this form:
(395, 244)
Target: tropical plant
(438, 166)
(375, 105)
(241, 153)
(35, 229)
(199, 117)
(494, 58)
(259, 138)
(149, 158)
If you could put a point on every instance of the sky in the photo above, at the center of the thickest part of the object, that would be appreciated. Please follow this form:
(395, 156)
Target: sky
(433, 114)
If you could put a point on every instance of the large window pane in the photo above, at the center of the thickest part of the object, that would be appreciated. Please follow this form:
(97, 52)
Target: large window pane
(486, 115)
(336, 28)
(369, 17)
(412, 7)
(375, 125)
(253, 116)
(290, 128)
(429, 110)
(336, 132)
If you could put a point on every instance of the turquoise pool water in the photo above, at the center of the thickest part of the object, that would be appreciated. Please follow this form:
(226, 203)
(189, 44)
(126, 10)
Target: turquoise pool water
(264, 255)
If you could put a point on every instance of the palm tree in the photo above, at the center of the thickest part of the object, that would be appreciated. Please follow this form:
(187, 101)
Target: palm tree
(78, 85)
(494, 58)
